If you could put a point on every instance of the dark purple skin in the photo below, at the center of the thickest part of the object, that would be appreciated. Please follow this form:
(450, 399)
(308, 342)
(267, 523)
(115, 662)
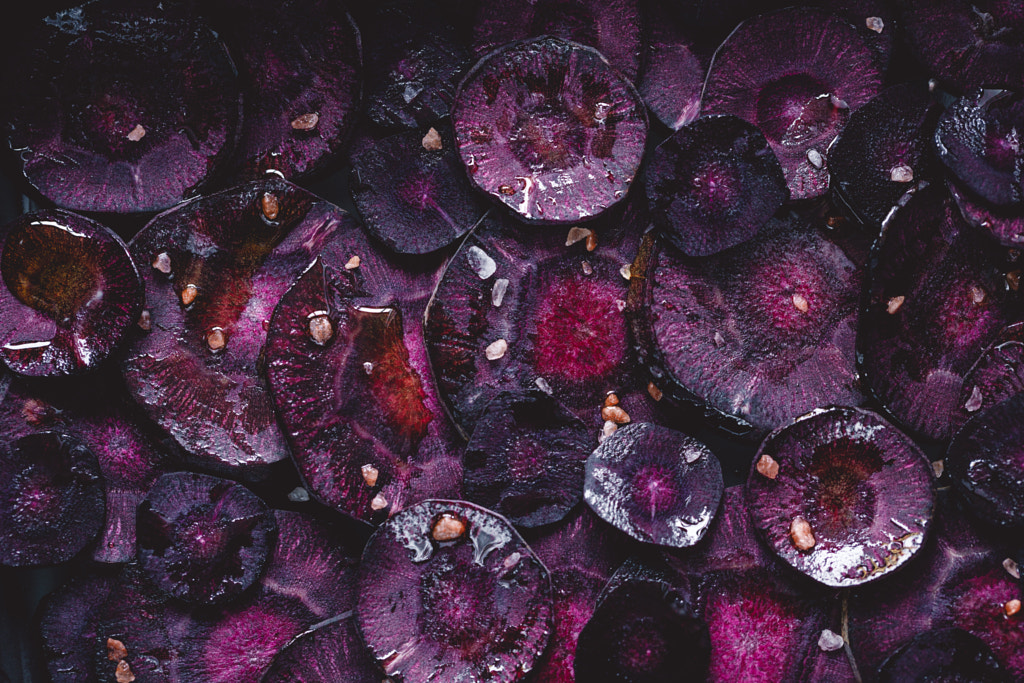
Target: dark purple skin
(414, 61)
(997, 376)
(366, 443)
(536, 113)
(674, 68)
(654, 484)
(947, 287)
(948, 654)
(967, 43)
(296, 59)
(51, 499)
(122, 106)
(1006, 224)
(413, 199)
(94, 411)
(561, 317)
(865, 489)
(67, 627)
(525, 459)
(202, 539)
(977, 139)
(330, 652)
(70, 294)
(213, 402)
(986, 462)
(472, 604)
(886, 138)
(797, 74)
(759, 334)
(714, 184)
(612, 28)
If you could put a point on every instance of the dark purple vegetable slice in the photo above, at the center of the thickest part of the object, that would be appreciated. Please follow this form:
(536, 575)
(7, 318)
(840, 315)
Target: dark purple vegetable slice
(841, 495)
(883, 150)
(644, 630)
(968, 44)
(516, 312)
(216, 268)
(938, 297)
(413, 61)
(674, 68)
(760, 334)
(948, 654)
(525, 459)
(202, 539)
(875, 21)
(70, 293)
(1006, 223)
(547, 128)
(977, 139)
(450, 589)
(412, 192)
(349, 375)
(714, 184)
(121, 106)
(986, 462)
(612, 27)
(655, 484)
(51, 499)
(301, 66)
(797, 74)
(997, 376)
(67, 627)
(330, 652)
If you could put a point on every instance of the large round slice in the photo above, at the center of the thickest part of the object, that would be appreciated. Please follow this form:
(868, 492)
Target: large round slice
(548, 128)
(214, 269)
(797, 74)
(841, 495)
(121, 106)
(70, 293)
(758, 334)
(450, 590)
(997, 376)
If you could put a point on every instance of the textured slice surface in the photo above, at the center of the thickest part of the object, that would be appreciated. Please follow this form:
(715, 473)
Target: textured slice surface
(948, 654)
(330, 652)
(997, 376)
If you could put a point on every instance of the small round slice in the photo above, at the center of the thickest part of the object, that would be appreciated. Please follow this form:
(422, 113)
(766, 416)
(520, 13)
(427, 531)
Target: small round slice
(978, 139)
(70, 293)
(121, 106)
(841, 495)
(655, 484)
(945, 654)
(797, 74)
(202, 539)
(714, 184)
(548, 128)
(450, 590)
(51, 499)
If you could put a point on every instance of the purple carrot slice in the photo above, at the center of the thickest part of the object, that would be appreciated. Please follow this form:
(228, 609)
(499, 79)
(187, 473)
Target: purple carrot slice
(714, 184)
(516, 312)
(412, 192)
(549, 129)
(797, 74)
(947, 654)
(644, 630)
(202, 539)
(414, 61)
(70, 293)
(525, 459)
(1005, 223)
(67, 627)
(301, 68)
(330, 652)
(612, 27)
(215, 268)
(967, 44)
(51, 499)
(674, 67)
(121, 106)
(349, 375)
(655, 484)
(758, 334)
(876, 22)
(997, 376)
(986, 462)
(883, 150)
(977, 139)
(938, 297)
(448, 588)
(841, 495)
